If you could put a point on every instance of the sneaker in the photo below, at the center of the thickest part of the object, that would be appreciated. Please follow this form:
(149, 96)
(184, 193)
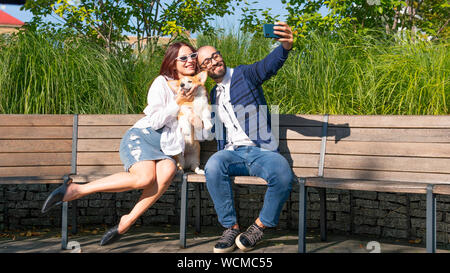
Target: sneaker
(248, 239)
(226, 242)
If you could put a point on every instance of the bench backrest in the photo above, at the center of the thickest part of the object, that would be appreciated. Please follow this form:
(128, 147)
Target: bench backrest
(99, 140)
(35, 148)
(39, 148)
(390, 148)
(98, 143)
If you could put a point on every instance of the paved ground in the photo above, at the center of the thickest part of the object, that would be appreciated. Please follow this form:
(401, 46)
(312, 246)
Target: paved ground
(165, 239)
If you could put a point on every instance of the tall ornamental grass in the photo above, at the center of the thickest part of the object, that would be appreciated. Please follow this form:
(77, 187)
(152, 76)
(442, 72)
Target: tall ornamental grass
(45, 74)
(335, 74)
(350, 74)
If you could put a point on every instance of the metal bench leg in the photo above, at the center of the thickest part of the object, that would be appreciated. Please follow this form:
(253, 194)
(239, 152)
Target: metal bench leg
(198, 207)
(64, 226)
(323, 214)
(431, 220)
(183, 216)
(74, 216)
(302, 216)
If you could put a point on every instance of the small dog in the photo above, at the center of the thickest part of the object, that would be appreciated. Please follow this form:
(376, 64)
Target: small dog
(200, 110)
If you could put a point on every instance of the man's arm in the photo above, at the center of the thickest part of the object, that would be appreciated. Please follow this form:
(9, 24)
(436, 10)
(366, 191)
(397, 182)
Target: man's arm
(261, 71)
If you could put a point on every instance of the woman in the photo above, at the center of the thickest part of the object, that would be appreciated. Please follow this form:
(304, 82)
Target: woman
(147, 148)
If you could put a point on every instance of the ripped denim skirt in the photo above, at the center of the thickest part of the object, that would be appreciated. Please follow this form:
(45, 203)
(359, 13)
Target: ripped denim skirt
(140, 144)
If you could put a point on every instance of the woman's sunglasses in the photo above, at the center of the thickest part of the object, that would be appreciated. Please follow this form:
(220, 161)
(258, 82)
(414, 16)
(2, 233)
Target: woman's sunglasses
(185, 58)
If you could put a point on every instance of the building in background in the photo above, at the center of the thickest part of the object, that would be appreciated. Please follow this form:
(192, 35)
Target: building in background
(9, 24)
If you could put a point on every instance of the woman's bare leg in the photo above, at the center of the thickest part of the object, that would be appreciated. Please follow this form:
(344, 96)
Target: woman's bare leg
(140, 175)
(165, 171)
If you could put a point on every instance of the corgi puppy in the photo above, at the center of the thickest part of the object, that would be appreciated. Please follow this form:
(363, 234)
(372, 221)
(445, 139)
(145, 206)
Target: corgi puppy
(200, 110)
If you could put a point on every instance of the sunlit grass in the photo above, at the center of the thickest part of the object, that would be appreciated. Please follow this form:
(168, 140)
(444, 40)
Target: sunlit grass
(339, 74)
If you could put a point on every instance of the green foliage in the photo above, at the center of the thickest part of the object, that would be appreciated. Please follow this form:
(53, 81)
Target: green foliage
(104, 22)
(335, 74)
(437, 17)
(418, 17)
(43, 73)
(348, 74)
(253, 19)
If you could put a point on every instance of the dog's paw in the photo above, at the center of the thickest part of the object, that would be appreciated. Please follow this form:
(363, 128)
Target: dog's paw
(180, 172)
(199, 171)
(196, 122)
(207, 125)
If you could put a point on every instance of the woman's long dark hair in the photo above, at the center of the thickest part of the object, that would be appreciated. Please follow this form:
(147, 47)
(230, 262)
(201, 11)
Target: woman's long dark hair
(168, 66)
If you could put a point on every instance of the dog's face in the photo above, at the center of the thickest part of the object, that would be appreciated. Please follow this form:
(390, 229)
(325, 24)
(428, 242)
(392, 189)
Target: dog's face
(187, 82)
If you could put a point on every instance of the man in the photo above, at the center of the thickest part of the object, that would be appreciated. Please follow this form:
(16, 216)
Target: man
(238, 98)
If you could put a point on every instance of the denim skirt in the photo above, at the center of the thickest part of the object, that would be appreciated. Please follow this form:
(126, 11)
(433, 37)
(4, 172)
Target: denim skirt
(140, 144)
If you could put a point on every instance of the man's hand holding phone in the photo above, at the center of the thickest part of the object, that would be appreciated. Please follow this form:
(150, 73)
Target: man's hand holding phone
(283, 31)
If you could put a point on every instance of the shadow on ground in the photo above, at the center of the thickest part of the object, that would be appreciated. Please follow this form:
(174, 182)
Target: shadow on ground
(165, 239)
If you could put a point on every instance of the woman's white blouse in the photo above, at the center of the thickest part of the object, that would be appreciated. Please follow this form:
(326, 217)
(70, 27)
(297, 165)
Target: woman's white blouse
(162, 111)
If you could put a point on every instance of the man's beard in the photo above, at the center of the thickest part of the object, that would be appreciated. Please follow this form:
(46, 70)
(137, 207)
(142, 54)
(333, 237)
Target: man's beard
(215, 76)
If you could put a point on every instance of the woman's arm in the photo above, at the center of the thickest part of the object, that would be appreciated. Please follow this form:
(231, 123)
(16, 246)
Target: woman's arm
(160, 110)
(261, 71)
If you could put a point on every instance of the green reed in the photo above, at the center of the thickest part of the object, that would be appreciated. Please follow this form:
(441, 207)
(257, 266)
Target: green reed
(335, 74)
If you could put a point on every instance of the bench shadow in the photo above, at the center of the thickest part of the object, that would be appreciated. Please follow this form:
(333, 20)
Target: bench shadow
(144, 239)
(310, 128)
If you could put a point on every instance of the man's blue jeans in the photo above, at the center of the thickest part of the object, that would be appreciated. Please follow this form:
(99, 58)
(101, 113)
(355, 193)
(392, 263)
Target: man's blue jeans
(248, 161)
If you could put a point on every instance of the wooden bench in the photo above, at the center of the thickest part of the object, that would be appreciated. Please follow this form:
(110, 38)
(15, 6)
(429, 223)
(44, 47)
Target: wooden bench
(407, 154)
(301, 138)
(36, 149)
(399, 154)
(97, 153)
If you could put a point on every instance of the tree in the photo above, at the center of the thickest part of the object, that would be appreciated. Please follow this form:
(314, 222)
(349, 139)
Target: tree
(106, 21)
(422, 17)
(435, 16)
(253, 19)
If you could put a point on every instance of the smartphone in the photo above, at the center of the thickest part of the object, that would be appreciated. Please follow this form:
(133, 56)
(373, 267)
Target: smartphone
(268, 31)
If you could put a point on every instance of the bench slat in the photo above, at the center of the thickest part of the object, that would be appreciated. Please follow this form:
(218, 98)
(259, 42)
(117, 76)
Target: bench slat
(370, 134)
(300, 133)
(35, 171)
(388, 176)
(35, 120)
(368, 185)
(102, 132)
(112, 145)
(441, 189)
(109, 120)
(291, 146)
(391, 121)
(389, 149)
(113, 158)
(130, 119)
(34, 159)
(301, 120)
(90, 173)
(383, 163)
(391, 135)
(35, 132)
(308, 133)
(99, 170)
(35, 146)
(31, 180)
(300, 146)
(98, 145)
(194, 178)
(249, 180)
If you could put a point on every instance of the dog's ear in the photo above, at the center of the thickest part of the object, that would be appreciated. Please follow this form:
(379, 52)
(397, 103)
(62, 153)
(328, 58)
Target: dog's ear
(202, 76)
(173, 85)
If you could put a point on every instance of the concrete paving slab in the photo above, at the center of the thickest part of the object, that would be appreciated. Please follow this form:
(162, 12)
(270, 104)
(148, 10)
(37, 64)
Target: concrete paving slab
(165, 239)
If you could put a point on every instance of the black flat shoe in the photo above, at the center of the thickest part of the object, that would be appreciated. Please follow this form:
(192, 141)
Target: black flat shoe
(111, 236)
(56, 197)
